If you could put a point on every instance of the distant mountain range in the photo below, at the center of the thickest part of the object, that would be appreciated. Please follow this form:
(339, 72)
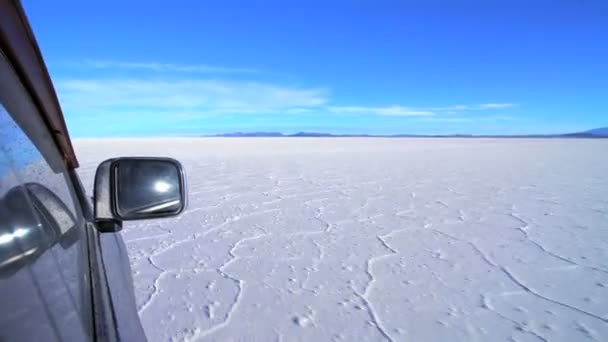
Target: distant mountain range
(593, 133)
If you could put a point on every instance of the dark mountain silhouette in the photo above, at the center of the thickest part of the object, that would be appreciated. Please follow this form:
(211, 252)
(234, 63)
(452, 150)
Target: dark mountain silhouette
(593, 133)
(251, 134)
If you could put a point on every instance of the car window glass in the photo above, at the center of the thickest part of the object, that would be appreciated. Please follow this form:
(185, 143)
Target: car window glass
(43, 253)
(20, 296)
(20, 152)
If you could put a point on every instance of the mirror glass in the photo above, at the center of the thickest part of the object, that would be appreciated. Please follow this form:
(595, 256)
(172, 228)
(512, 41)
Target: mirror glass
(147, 188)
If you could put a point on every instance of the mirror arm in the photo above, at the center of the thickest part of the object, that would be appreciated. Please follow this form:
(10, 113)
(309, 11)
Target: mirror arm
(104, 219)
(108, 226)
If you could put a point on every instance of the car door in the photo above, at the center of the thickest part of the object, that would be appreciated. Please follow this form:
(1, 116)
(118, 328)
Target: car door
(45, 287)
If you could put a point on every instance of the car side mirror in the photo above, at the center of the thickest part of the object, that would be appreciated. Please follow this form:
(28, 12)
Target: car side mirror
(137, 188)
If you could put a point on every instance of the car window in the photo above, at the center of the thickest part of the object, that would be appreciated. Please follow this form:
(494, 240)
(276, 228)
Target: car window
(44, 287)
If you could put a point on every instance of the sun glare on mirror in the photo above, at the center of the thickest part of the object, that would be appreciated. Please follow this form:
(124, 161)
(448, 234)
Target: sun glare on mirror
(161, 186)
(8, 238)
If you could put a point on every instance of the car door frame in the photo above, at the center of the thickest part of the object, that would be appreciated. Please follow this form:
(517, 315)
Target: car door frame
(18, 44)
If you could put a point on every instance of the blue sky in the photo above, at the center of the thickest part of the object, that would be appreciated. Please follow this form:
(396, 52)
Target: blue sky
(130, 68)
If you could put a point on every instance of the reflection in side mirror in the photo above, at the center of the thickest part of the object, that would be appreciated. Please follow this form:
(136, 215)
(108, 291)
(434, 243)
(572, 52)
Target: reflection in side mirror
(147, 188)
(138, 188)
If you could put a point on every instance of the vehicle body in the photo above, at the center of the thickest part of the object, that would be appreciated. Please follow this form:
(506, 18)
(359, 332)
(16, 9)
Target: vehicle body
(64, 269)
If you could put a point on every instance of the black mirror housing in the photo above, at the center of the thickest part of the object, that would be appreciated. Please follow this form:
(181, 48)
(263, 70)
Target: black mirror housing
(137, 188)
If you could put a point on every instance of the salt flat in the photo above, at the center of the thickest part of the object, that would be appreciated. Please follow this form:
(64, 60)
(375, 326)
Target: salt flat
(374, 239)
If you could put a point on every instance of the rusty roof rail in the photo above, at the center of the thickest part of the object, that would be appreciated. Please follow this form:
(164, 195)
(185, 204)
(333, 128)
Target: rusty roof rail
(20, 47)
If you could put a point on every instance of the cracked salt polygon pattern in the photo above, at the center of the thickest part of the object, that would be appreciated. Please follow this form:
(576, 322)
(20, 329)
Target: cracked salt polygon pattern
(374, 239)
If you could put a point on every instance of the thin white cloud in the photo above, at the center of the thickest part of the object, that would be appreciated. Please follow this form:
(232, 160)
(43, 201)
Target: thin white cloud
(467, 119)
(422, 111)
(166, 67)
(84, 96)
(300, 110)
(460, 108)
(451, 109)
(179, 90)
(385, 111)
(446, 119)
(495, 105)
